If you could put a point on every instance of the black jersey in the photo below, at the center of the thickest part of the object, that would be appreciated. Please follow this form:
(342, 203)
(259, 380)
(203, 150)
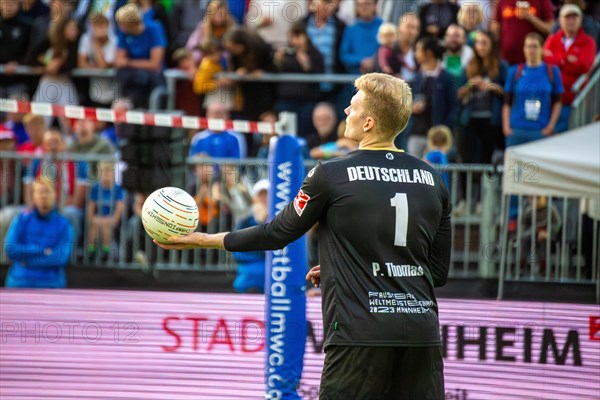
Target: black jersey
(384, 243)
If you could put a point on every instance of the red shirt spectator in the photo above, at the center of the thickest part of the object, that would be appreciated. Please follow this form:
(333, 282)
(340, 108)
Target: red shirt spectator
(571, 49)
(516, 19)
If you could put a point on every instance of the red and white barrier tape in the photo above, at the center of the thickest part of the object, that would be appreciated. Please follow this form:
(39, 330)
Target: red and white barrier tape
(135, 117)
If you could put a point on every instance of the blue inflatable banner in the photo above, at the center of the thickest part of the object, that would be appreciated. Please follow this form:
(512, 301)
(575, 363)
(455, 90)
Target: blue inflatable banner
(285, 314)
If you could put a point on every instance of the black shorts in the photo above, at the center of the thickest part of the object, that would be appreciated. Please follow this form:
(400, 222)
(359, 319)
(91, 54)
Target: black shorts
(382, 373)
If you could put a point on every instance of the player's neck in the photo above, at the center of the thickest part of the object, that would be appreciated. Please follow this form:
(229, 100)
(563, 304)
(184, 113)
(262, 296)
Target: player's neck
(373, 143)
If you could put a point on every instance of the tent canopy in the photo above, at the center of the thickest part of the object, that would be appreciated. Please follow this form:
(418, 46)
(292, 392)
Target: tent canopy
(565, 165)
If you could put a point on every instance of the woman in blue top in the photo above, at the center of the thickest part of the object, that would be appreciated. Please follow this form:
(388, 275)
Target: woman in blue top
(532, 96)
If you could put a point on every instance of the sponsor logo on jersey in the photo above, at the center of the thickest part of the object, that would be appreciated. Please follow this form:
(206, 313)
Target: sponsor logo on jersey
(300, 202)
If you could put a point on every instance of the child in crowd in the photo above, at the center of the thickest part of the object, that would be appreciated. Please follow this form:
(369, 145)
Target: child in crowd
(186, 100)
(439, 141)
(206, 82)
(185, 62)
(105, 207)
(388, 58)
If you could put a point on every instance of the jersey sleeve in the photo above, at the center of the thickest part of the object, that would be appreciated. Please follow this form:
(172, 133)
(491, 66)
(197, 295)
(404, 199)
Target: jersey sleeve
(442, 244)
(296, 218)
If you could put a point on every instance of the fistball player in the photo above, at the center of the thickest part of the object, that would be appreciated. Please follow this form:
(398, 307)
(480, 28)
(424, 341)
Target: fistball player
(384, 244)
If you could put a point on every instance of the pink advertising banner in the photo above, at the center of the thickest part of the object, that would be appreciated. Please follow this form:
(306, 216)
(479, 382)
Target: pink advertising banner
(93, 344)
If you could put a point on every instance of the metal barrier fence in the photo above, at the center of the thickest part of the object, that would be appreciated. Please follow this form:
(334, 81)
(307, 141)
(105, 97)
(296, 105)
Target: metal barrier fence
(586, 105)
(551, 240)
(223, 189)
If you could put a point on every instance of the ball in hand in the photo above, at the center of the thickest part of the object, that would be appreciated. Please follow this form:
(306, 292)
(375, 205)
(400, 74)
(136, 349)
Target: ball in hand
(168, 212)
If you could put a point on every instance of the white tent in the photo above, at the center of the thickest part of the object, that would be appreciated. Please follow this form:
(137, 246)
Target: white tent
(565, 165)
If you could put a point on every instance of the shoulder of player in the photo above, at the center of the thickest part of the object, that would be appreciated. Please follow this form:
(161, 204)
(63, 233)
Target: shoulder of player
(338, 160)
(333, 164)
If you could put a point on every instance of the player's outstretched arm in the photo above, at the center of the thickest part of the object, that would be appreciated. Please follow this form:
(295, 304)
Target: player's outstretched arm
(195, 240)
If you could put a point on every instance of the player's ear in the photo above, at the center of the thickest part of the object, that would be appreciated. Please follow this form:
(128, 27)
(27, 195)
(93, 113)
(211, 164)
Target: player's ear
(369, 124)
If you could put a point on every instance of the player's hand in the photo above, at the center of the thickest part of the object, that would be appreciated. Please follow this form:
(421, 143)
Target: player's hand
(314, 275)
(192, 241)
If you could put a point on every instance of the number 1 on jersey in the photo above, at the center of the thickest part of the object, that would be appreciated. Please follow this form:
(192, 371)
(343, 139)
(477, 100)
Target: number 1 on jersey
(400, 202)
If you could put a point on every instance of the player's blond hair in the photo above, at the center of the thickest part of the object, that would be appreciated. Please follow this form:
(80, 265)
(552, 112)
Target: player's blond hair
(385, 29)
(388, 100)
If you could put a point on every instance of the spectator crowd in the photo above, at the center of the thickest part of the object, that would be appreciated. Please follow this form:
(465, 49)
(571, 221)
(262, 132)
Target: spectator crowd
(484, 75)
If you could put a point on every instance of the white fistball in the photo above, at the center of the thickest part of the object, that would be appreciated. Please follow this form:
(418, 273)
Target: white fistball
(168, 212)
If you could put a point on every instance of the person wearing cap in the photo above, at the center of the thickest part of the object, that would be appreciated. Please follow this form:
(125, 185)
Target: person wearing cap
(590, 21)
(250, 276)
(573, 51)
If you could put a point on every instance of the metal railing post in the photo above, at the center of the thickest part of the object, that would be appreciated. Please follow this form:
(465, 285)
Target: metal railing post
(487, 231)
